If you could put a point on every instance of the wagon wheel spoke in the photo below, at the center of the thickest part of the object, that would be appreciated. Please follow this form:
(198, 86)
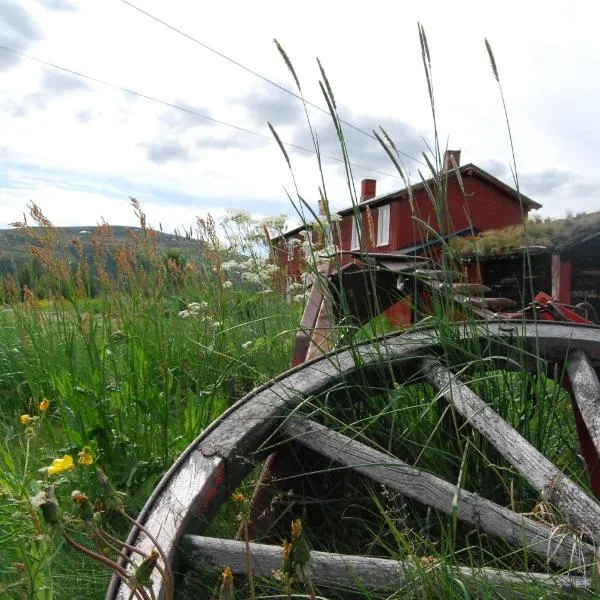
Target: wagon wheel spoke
(586, 392)
(218, 461)
(580, 510)
(344, 571)
(438, 493)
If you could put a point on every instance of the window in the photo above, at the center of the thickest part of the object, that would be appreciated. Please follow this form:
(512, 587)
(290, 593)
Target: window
(355, 243)
(383, 225)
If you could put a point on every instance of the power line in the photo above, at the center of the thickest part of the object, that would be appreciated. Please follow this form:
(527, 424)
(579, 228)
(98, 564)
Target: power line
(262, 77)
(184, 109)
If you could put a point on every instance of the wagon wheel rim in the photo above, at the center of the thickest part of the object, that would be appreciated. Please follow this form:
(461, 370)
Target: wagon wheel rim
(212, 467)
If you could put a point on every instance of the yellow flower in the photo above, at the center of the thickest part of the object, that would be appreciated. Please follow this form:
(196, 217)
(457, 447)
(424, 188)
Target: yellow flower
(59, 465)
(287, 550)
(296, 529)
(239, 498)
(44, 404)
(85, 457)
(25, 419)
(227, 576)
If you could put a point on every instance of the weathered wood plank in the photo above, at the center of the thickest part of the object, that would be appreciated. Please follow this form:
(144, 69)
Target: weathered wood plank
(323, 336)
(578, 508)
(586, 391)
(307, 323)
(231, 435)
(438, 493)
(352, 572)
(466, 289)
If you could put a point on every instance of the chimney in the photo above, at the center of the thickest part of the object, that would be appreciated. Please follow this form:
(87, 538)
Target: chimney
(448, 155)
(368, 189)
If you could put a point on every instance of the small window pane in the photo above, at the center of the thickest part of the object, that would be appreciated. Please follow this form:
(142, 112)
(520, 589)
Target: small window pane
(355, 243)
(383, 226)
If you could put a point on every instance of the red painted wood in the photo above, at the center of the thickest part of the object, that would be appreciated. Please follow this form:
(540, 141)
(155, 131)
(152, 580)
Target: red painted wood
(482, 206)
(400, 314)
(586, 444)
(562, 278)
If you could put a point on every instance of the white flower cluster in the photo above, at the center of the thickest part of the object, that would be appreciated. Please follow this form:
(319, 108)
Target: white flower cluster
(193, 309)
(251, 271)
(239, 217)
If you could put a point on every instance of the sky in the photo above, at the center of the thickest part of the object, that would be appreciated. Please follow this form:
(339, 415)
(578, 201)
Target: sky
(79, 148)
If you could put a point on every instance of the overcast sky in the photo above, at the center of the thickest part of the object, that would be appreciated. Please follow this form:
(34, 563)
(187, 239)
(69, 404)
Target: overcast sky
(80, 148)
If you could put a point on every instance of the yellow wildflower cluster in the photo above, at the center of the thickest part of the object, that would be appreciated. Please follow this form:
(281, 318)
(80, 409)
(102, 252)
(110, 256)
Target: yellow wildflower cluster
(66, 463)
(60, 465)
(26, 419)
(239, 498)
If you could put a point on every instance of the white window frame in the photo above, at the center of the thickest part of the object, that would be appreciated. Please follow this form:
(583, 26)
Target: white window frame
(383, 225)
(355, 241)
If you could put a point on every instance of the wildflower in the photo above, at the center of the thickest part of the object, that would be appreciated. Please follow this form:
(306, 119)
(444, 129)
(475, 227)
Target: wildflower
(239, 498)
(300, 554)
(83, 505)
(296, 529)
(60, 465)
(230, 265)
(79, 497)
(85, 456)
(47, 502)
(184, 314)
(25, 419)
(226, 591)
(44, 404)
(287, 550)
(227, 285)
(247, 344)
(216, 324)
(251, 277)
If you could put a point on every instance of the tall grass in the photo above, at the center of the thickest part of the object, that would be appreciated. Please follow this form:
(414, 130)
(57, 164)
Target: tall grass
(138, 352)
(407, 419)
(132, 374)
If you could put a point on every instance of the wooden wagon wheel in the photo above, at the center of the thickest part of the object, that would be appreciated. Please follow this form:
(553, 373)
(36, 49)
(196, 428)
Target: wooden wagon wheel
(286, 411)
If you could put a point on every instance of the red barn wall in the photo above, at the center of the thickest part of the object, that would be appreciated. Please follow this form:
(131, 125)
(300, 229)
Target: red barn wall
(481, 206)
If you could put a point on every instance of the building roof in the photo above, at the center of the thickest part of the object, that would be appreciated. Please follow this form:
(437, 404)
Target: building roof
(466, 170)
(551, 235)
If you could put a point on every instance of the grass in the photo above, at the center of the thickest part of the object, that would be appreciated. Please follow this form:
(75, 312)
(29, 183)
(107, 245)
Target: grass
(126, 359)
(133, 374)
(555, 234)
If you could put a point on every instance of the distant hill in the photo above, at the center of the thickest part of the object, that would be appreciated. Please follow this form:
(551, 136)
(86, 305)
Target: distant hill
(15, 244)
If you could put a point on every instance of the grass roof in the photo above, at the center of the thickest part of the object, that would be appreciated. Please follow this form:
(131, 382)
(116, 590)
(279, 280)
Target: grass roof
(554, 234)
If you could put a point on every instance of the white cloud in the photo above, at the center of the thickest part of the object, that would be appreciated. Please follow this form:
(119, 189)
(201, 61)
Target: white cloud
(90, 137)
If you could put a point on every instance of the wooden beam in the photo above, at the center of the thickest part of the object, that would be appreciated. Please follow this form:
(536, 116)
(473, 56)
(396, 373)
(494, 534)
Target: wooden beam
(307, 324)
(586, 390)
(353, 572)
(438, 493)
(562, 279)
(579, 509)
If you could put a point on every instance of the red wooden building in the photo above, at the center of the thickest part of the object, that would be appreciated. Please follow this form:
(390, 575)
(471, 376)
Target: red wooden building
(406, 221)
